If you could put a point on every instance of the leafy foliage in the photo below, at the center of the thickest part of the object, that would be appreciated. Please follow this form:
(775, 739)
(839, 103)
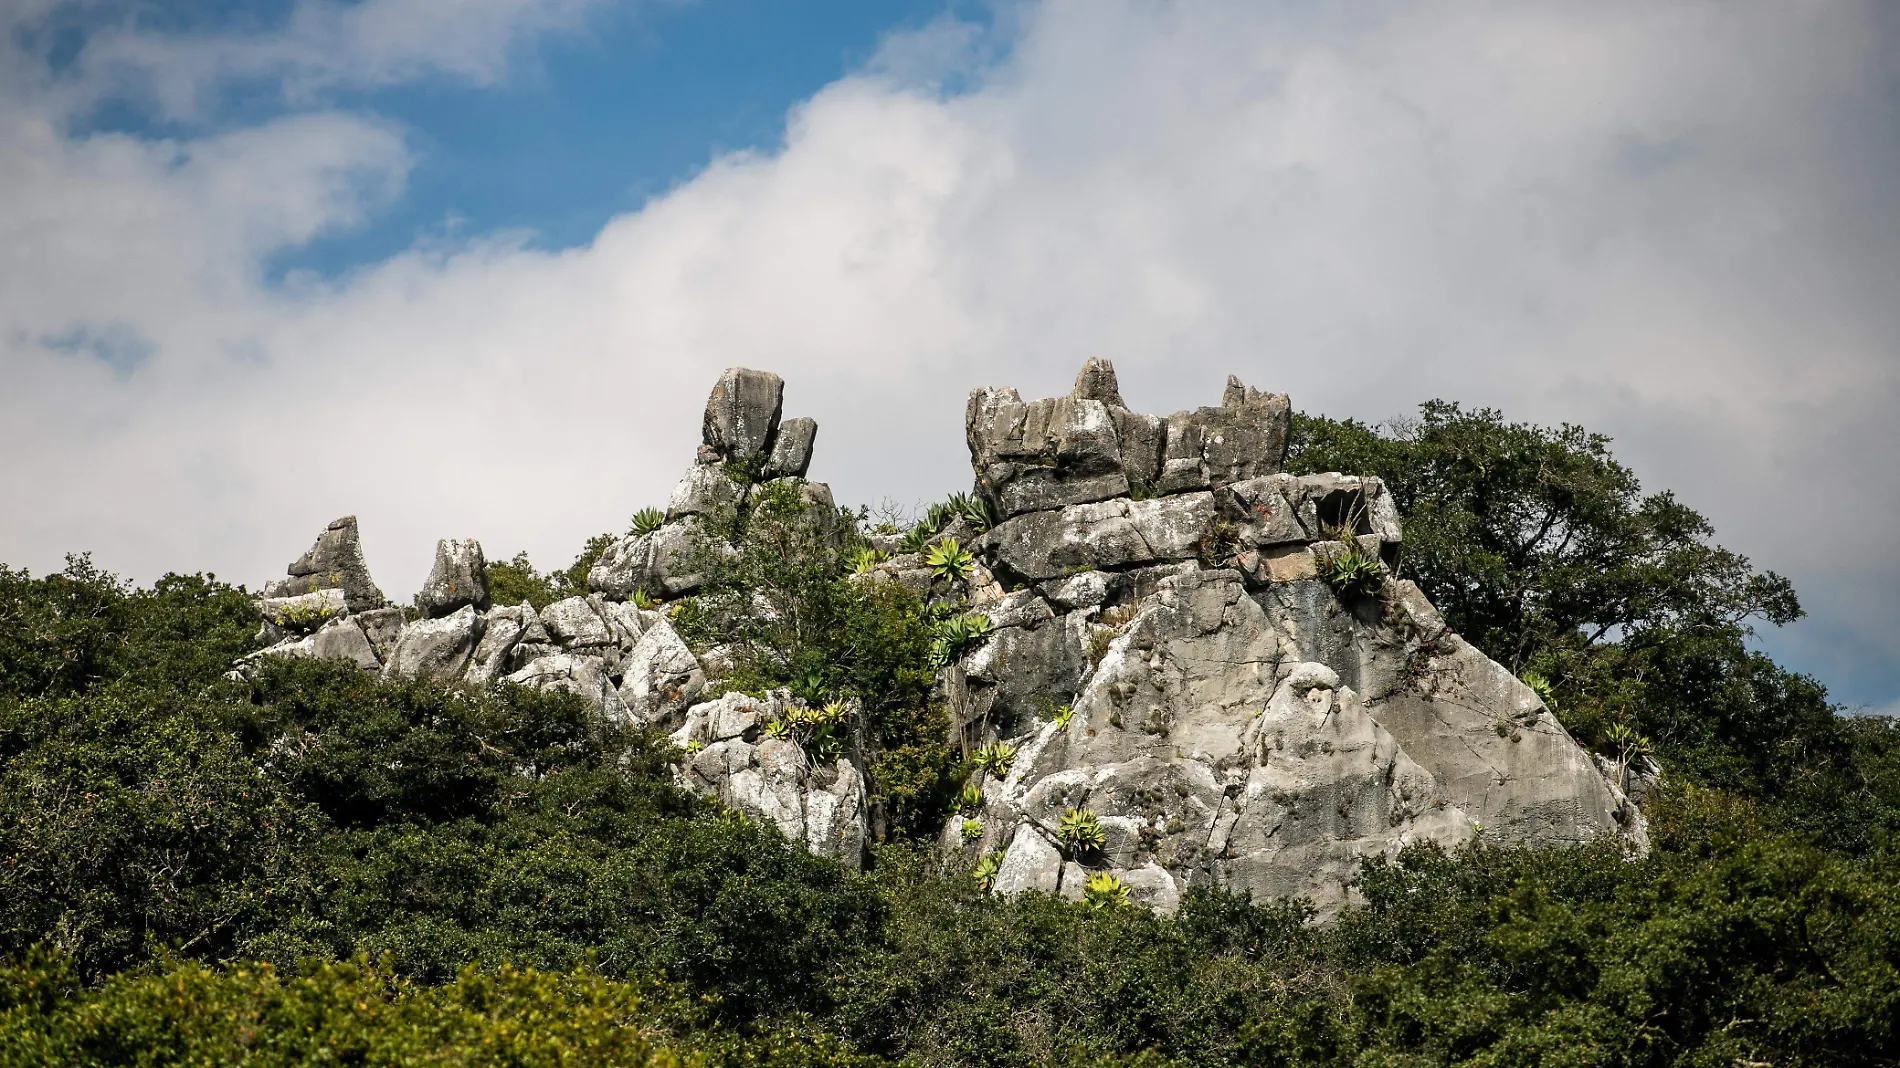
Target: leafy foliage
(1104, 890)
(949, 561)
(532, 889)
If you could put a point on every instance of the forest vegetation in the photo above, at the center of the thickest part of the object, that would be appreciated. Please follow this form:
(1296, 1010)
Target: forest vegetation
(305, 864)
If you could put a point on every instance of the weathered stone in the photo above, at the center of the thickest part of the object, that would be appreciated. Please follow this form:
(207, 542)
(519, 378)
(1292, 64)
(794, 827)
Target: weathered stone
(774, 781)
(574, 624)
(1260, 512)
(1096, 381)
(1215, 746)
(791, 453)
(305, 612)
(1085, 590)
(664, 563)
(334, 562)
(1109, 535)
(660, 677)
(575, 673)
(703, 490)
(502, 630)
(1045, 454)
(458, 578)
(742, 414)
(1032, 863)
(382, 626)
(343, 639)
(436, 648)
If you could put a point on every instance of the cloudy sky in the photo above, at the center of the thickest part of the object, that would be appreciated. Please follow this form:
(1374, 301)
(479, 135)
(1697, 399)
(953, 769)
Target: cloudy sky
(467, 267)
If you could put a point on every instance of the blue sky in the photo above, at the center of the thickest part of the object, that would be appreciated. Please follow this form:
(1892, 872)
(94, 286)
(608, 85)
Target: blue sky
(468, 269)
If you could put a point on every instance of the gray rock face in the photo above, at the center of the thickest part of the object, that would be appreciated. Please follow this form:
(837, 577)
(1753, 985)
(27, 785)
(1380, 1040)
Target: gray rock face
(436, 648)
(1110, 535)
(575, 673)
(502, 631)
(1234, 722)
(661, 677)
(664, 563)
(334, 562)
(771, 779)
(1089, 447)
(704, 489)
(791, 453)
(742, 413)
(459, 579)
(343, 639)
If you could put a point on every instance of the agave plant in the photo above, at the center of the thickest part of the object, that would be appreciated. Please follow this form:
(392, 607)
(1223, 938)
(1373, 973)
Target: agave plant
(972, 830)
(949, 561)
(1104, 890)
(971, 510)
(956, 636)
(1063, 713)
(996, 758)
(1081, 831)
(865, 559)
(1542, 688)
(648, 520)
(1352, 571)
(970, 798)
(986, 871)
(644, 600)
(694, 746)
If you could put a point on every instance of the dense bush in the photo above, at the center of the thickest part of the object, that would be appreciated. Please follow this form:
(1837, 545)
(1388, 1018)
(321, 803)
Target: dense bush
(313, 866)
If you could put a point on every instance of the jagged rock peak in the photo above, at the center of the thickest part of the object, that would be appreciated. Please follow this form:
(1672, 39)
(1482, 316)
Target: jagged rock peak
(1096, 382)
(335, 562)
(459, 578)
(742, 414)
(1089, 446)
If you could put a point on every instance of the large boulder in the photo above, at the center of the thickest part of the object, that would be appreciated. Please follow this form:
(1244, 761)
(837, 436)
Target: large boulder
(1110, 535)
(458, 579)
(742, 413)
(660, 678)
(791, 453)
(666, 563)
(334, 562)
(437, 649)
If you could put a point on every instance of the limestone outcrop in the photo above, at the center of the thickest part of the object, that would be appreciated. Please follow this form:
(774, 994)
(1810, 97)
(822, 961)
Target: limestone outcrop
(1173, 661)
(1171, 667)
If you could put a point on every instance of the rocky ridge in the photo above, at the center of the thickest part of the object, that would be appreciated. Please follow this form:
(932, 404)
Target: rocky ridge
(1171, 691)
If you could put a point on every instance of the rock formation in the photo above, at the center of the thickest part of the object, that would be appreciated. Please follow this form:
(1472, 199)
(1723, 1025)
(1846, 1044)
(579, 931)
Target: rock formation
(1173, 656)
(1170, 661)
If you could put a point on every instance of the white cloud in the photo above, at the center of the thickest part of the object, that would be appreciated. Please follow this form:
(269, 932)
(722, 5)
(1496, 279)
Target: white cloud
(1668, 222)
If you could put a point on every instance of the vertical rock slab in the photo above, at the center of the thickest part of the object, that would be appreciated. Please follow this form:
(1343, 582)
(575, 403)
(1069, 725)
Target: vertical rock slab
(791, 453)
(458, 579)
(436, 648)
(334, 562)
(742, 413)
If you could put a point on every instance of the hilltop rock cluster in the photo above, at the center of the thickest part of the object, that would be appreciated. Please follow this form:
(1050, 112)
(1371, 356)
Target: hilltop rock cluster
(1176, 687)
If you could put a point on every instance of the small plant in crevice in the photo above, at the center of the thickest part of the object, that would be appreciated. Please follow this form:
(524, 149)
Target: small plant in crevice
(956, 636)
(1062, 716)
(644, 601)
(867, 558)
(695, 746)
(972, 510)
(821, 732)
(972, 830)
(1104, 890)
(1081, 831)
(1220, 546)
(648, 520)
(1351, 571)
(986, 870)
(996, 758)
(970, 799)
(949, 561)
